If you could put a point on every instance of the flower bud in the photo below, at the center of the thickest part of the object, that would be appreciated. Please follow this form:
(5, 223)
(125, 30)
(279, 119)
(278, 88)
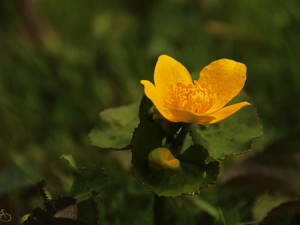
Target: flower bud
(163, 159)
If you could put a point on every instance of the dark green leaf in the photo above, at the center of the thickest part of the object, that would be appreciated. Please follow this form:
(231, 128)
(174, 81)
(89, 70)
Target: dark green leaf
(146, 108)
(265, 203)
(68, 160)
(88, 211)
(231, 136)
(89, 181)
(193, 175)
(115, 128)
(286, 213)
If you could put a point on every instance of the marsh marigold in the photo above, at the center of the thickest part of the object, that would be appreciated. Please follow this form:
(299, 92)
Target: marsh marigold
(179, 99)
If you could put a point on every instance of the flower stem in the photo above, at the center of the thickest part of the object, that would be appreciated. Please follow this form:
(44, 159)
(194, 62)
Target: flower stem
(160, 210)
(177, 144)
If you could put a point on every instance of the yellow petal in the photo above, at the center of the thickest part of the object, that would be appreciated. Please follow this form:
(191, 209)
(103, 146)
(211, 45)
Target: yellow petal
(178, 115)
(156, 97)
(226, 77)
(227, 111)
(169, 71)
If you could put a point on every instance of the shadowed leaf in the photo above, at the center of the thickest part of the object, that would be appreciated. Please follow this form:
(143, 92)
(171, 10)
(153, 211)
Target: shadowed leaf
(265, 203)
(115, 127)
(286, 213)
(89, 182)
(193, 175)
(276, 169)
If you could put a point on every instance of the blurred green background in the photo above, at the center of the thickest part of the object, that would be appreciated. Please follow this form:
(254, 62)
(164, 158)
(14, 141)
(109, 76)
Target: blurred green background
(63, 61)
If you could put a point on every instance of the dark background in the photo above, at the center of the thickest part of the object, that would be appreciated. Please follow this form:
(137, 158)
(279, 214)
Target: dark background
(63, 61)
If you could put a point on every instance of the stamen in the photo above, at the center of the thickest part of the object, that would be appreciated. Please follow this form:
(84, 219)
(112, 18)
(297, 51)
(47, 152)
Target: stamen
(197, 97)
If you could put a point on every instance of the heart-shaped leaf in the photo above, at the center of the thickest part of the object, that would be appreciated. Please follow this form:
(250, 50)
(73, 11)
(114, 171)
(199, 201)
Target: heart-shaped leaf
(89, 181)
(195, 173)
(115, 127)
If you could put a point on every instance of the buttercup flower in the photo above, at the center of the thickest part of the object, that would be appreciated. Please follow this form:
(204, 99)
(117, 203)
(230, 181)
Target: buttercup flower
(179, 99)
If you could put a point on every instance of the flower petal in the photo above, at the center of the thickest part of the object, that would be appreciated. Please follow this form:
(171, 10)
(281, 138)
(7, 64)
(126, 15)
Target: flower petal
(178, 115)
(156, 97)
(169, 71)
(226, 77)
(227, 111)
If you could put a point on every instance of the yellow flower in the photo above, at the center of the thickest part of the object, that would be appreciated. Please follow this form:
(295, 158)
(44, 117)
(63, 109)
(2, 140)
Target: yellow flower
(179, 99)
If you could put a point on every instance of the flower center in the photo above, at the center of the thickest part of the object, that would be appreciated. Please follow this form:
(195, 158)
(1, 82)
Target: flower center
(197, 97)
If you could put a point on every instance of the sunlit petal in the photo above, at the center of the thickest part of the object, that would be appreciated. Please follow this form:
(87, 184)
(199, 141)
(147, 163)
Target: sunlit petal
(156, 97)
(179, 115)
(227, 111)
(169, 71)
(226, 77)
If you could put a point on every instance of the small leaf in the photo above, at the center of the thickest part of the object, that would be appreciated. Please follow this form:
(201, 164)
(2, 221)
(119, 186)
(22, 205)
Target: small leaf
(42, 188)
(88, 211)
(231, 136)
(69, 162)
(115, 128)
(194, 174)
(265, 203)
(286, 213)
(89, 182)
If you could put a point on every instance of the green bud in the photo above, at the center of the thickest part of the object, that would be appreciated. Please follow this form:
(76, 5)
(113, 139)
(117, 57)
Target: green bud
(163, 159)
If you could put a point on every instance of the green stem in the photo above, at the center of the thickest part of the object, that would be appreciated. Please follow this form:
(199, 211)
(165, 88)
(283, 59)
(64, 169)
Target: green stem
(179, 141)
(160, 210)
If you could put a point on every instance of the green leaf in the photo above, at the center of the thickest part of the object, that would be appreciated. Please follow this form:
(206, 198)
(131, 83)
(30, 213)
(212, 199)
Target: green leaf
(146, 108)
(286, 213)
(194, 174)
(69, 161)
(88, 211)
(89, 182)
(231, 136)
(115, 128)
(265, 203)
